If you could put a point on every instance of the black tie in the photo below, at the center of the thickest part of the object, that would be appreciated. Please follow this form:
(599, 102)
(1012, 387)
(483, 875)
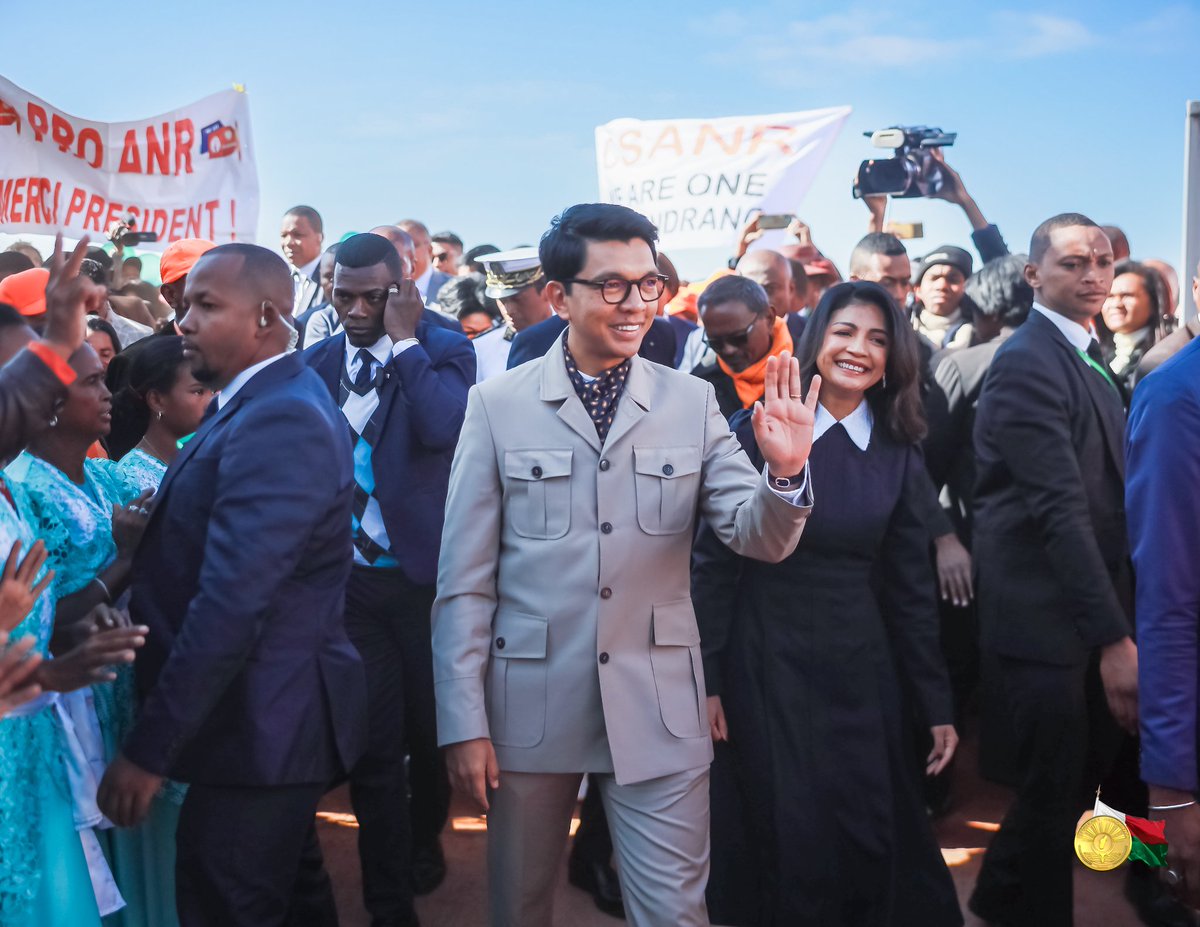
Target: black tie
(365, 379)
(1094, 352)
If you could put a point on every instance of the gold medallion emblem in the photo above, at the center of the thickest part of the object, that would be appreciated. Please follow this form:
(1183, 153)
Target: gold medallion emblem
(1102, 842)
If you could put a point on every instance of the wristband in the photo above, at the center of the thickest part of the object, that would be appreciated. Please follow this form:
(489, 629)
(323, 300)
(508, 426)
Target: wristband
(1185, 804)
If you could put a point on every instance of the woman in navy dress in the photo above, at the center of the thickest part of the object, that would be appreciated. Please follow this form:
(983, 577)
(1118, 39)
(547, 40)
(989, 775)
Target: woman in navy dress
(813, 664)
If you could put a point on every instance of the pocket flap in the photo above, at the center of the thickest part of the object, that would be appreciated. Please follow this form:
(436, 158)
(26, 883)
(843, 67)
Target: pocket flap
(675, 624)
(517, 636)
(537, 464)
(667, 463)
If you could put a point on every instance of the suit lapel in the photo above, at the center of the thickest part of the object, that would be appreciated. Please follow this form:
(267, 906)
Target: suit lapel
(635, 400)
(557, 387)
(189, 450)
(1105, 399)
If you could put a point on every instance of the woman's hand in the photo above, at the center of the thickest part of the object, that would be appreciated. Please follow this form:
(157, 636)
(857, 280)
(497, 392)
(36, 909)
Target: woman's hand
(945, 742)
(93, 660)
(129, 524)
(716, 719)
(954, 570)
(18, 590)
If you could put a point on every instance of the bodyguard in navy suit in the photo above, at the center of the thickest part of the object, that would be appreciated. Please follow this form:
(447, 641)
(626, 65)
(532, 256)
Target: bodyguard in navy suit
(401, 384)
(250, 690)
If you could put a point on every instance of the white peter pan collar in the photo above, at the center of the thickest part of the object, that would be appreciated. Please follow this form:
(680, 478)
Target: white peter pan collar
(858, 424)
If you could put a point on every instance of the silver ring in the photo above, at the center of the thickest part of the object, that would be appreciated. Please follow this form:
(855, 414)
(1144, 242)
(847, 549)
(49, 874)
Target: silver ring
(1172, 878)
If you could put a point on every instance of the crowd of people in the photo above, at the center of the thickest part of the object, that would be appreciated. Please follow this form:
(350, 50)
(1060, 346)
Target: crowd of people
(748, 552)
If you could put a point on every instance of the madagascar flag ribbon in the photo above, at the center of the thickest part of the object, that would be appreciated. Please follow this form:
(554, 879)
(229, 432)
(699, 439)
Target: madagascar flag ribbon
(1149, 842)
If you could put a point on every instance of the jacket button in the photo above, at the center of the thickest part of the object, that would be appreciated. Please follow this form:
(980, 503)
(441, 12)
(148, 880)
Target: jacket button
(606, 528)
(604, 464)
(604, 658)
(606, 593)
(668, 469)
(499, 643)
(537, 473)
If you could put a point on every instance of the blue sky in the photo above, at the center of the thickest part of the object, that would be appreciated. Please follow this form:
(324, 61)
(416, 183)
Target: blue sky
(479, 117)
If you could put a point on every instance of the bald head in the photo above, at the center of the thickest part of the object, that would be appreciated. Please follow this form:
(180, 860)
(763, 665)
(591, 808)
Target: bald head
(403, 243)
(261, 274)
(771, 271)
(422, 244)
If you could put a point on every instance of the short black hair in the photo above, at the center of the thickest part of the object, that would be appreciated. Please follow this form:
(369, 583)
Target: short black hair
(368, 249)
(10, 317)
(97, 324)
(884, 243)
(447, 238)
(463, 296)
(734, 289)
(1040, 240)
(471, 258)
(311, 215)
(95, 271)
(265, 269)
(14, 262)
(563, 248)
(999, 290)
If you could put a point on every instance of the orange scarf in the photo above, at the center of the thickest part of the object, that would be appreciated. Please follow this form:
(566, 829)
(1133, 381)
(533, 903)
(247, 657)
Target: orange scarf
(750, 382)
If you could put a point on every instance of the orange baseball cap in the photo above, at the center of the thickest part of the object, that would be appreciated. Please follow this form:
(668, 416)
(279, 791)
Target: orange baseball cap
(179, 257)
(26, 291)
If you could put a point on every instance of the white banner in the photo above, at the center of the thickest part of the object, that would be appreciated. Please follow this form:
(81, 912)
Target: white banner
(188, 173)
(701, 180)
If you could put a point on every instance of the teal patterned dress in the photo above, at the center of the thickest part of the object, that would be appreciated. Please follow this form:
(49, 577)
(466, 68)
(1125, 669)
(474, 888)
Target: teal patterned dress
(44, 876)
(144, 470)
(75, 521)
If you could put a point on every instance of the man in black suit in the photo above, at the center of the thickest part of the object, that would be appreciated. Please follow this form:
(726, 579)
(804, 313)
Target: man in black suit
(1053, 566)
(401, 383)
(250, 690)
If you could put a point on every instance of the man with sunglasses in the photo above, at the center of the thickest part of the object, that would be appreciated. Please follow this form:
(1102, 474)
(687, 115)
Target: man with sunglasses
(742, 329)
(564, 636)
(401, 382)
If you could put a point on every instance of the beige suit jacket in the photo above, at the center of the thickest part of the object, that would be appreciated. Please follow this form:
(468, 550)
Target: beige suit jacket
(563, 627)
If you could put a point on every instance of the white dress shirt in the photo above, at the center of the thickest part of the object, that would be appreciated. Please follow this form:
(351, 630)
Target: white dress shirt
(242, 379)
(1079, 337)
(858, 424)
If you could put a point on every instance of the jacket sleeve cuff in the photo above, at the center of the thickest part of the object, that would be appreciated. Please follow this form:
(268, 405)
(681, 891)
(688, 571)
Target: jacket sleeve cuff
(48, 356)
(461, 713)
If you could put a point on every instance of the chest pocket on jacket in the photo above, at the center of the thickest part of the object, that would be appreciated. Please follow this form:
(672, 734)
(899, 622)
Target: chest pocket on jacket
(667, 480)
(537, 487)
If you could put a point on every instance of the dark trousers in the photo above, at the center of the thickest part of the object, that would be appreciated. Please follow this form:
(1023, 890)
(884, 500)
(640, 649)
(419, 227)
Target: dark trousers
(1063, 741)
(593, 842)
(249, 857)
(388, 621)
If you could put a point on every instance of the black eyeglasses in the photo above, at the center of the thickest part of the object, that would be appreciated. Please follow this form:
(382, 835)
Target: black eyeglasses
(615, 290)
(736, 340)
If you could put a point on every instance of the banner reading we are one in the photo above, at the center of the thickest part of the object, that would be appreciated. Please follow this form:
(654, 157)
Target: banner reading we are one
(701, 180)
(189, 173)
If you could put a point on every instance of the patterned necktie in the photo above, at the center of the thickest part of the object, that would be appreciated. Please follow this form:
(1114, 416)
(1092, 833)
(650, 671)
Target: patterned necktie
(601, 395)
(364, 381)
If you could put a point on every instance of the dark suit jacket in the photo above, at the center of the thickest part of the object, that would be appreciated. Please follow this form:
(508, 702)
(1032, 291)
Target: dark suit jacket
(658, 345)
(683, 328)
(247, 677)
(422, 401)
(436, 281)
(1050, 543)
(29, 393)
(1163, 452)
(727, 398)
(950, 403)
(441, 320)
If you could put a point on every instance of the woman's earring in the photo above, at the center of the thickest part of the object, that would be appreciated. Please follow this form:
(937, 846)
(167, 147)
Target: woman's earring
(885, 381)
(160, 416)
(53, 420)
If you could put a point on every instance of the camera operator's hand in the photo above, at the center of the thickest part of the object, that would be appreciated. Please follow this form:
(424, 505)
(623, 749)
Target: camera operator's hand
(750, 233)
(954, 191)
(69, 297)
(876, 204)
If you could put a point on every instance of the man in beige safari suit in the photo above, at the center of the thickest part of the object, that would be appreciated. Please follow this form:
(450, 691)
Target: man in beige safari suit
(564, 640)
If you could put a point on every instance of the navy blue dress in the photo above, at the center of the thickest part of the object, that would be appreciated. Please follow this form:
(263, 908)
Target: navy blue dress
(818, 660)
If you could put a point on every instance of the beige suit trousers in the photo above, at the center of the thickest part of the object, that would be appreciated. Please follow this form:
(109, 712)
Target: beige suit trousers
(660, 842)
